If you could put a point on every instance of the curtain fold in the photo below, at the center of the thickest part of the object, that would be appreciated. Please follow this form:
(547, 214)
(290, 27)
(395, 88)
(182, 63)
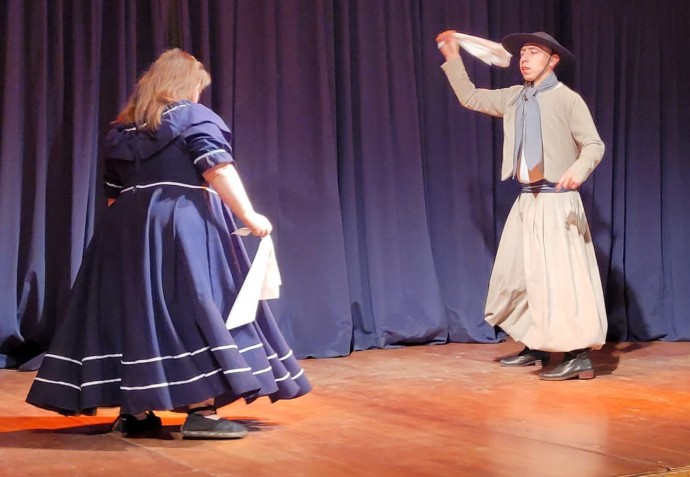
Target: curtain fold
(383, 190)
(460, 165)
(394, 290)
(285, 143)
(47, 173)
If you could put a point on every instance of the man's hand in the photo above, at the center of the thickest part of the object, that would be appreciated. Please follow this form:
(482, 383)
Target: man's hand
(568, 182)
(449, 47)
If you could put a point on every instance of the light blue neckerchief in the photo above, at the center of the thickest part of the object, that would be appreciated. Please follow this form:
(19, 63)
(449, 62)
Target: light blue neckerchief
(528, 124)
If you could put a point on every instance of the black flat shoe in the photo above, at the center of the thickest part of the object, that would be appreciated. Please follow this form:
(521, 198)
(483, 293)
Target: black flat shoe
(575, 365)
(128, 424)
(527, 357)
(197, 426)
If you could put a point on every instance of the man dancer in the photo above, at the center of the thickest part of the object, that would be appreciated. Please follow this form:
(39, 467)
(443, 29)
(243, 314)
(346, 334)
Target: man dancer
(545, 289)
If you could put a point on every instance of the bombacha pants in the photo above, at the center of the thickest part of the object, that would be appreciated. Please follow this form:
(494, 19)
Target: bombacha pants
(545, 290)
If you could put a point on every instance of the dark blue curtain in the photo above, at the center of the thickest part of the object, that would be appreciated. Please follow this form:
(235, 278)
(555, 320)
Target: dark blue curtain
(384, 192)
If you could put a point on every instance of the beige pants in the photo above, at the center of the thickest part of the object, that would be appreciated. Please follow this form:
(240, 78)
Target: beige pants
(545, 289)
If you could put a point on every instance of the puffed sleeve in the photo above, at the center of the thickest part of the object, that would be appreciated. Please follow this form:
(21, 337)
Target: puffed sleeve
(207, 146)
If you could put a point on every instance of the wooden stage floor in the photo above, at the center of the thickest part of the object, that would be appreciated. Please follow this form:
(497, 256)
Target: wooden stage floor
(445, 410)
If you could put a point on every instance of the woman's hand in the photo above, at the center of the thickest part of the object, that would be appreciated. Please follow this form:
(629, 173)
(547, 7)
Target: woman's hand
(258, 224)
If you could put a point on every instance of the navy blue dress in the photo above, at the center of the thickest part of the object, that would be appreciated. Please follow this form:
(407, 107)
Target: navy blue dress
(145, 324)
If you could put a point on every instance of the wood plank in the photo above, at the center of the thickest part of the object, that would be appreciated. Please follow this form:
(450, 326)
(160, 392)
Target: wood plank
(416, 411)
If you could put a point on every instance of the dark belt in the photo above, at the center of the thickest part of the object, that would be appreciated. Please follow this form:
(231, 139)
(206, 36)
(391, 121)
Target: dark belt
(541, 186)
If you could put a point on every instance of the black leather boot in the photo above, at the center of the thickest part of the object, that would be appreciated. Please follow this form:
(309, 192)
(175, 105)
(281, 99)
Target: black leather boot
(576, 364)
(527, 357)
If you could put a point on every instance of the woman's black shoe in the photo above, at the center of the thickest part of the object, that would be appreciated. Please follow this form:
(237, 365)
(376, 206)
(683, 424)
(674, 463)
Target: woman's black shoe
(128, 424)
(575, 365)
(527, 357)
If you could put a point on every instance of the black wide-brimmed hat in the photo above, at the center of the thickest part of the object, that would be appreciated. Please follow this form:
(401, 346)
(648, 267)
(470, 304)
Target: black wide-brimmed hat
(513, 43)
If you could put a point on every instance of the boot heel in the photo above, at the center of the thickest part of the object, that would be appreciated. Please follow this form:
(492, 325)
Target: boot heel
(588, 374)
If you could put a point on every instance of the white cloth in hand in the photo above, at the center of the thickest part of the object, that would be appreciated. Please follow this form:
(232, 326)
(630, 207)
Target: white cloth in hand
(262, 283)
(489, 52)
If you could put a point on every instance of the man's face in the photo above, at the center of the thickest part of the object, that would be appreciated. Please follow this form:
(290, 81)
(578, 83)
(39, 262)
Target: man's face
(533, 59)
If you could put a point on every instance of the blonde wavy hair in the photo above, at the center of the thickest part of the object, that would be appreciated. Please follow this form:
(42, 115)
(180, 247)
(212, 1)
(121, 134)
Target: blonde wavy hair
(174, 76)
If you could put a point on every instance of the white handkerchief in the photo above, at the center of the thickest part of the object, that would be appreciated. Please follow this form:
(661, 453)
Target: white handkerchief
(489, 52)
(262, 283)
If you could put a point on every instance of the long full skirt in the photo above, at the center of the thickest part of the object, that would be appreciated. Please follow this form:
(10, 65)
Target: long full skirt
(145, 325)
